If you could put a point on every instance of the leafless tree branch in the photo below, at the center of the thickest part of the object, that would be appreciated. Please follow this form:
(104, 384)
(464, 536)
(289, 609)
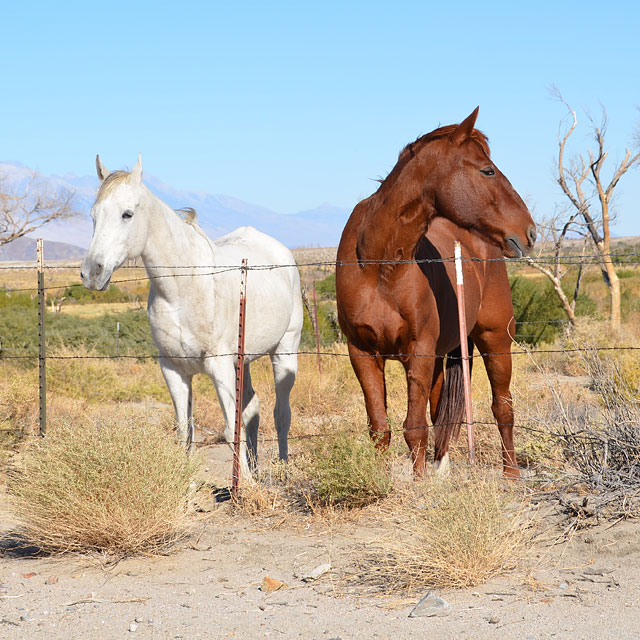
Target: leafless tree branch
(24, 211)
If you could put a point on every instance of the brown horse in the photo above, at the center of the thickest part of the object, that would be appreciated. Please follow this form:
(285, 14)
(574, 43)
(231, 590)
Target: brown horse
(395, 304)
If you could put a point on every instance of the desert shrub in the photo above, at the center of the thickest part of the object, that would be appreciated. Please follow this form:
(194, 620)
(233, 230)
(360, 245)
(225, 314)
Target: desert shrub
(17, 299)
(326, 288)
(79, 294)
(117, 487)
(603, 442)
(457, 531)
(327, 328)
(346, 469)
(537, 311)
(19, 332)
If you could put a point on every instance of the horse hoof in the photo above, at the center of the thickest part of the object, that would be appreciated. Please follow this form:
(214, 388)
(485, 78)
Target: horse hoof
(442, 467)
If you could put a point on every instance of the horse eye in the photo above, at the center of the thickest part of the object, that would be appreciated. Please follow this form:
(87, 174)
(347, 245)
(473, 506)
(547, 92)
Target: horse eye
(488, 171)
(127, 214)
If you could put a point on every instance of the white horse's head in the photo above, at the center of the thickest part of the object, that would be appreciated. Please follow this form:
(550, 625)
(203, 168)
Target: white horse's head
(120, 224)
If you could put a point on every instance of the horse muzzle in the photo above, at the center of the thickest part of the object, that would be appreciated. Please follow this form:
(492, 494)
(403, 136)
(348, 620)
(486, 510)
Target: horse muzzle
(515, 248)
(94, 275)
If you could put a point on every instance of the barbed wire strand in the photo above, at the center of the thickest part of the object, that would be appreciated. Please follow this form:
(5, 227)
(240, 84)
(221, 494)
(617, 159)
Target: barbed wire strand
(388, 356)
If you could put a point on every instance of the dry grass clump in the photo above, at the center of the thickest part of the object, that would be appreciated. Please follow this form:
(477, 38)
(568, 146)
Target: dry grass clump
(117, 487)
(345, 469)
(457, 531)
(341, 470)
(18, 403)
(75, 374)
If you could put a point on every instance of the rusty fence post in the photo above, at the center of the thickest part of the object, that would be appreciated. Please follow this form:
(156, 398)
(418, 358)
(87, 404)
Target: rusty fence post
(464, 350)
(237, 434)
(42, 354)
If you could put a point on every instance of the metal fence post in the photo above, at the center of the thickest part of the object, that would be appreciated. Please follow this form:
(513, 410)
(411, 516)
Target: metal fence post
(42, 367)
(464, 350)
(237, 435)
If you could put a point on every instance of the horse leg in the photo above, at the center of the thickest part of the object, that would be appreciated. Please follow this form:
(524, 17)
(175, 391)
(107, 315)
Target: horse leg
(250, 418)
(497, 361)
(179, 385)
(222, 370)
(369, 370)
(419, 372)
(285, 367)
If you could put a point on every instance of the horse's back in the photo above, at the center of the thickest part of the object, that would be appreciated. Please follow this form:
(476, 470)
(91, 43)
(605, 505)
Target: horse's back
(274, 301)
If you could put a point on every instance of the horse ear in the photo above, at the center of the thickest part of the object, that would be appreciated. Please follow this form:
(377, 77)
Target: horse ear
(465, 128)
(136, 172)
(103, 172)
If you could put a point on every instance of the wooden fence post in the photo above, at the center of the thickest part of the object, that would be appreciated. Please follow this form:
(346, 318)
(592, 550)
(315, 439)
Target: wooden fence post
(464, 350)
(237, 435)
(42, 368)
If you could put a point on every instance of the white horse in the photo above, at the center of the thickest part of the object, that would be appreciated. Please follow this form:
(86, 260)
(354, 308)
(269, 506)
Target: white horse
(193, 305)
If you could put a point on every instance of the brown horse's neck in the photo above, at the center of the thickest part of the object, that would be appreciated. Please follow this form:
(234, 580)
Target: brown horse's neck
(391, 228)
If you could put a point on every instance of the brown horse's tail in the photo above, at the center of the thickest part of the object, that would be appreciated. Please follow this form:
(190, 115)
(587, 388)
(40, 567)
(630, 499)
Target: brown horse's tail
(451, 404)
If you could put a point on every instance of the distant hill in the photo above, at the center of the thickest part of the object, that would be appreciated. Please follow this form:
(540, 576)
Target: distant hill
(217, 214)
(24, 250)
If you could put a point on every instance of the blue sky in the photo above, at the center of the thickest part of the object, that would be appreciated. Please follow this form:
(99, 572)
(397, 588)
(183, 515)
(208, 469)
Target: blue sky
(291, 104)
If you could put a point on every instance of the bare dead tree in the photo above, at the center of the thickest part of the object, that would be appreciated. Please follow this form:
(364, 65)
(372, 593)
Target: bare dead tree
(590, 196)
(23, 210)
(552, 233)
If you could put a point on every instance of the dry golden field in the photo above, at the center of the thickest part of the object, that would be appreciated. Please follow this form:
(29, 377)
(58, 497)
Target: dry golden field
(387, 537)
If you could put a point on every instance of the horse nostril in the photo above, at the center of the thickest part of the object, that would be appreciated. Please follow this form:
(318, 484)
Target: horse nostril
(532, 235)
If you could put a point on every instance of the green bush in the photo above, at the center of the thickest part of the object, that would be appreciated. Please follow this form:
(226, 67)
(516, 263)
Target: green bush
(19, 332)
(17, 299)
(326, 288)
(538, 312)
(534, 305)
(327, 328)
(79, 294)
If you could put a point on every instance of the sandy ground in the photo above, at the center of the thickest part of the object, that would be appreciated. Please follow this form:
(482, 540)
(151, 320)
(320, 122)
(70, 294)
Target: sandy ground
(587, 587)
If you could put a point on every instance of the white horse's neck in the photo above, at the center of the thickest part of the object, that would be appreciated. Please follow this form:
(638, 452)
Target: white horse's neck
(171, 241)
(172, 244)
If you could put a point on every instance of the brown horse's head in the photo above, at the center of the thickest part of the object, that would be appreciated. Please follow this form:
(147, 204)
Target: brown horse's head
(465, 186)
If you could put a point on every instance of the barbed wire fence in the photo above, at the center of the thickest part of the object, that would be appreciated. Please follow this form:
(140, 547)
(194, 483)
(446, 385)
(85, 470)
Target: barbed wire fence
(311, 304)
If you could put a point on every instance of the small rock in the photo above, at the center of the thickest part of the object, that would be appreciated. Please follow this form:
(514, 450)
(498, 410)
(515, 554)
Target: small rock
(25, 619)
(563, 586)
(269, 585)
(431, 605)
(31, 574)
(51, 580)
(494, 620)
(320, 570)
(150, 621)
(132, 627)
(138, 620)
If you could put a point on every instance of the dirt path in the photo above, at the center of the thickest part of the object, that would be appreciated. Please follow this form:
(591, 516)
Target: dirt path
(210, 588)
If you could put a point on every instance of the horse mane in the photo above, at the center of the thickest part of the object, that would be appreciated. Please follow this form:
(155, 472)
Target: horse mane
(413, 148)
(109, 184)
(188, 214)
